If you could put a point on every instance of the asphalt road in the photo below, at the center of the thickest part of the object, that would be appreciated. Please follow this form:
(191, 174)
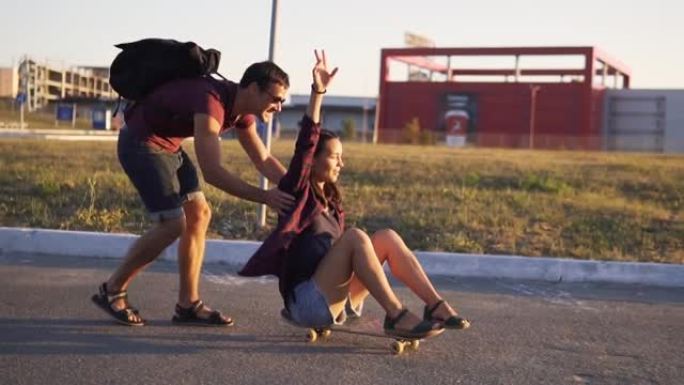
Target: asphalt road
(523, 333)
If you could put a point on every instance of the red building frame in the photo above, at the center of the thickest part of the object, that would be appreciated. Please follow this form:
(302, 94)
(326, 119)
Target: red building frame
(524, 112)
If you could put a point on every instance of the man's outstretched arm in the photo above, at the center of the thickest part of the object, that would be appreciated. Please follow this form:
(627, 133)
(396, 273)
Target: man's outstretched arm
(208, 150)
(263, 160)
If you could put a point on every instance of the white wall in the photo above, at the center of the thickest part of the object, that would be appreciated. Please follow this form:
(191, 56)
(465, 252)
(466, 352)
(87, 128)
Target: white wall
(673, 133)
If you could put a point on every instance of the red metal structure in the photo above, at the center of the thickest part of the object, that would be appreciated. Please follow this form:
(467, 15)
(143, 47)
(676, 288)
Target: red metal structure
(514, 105)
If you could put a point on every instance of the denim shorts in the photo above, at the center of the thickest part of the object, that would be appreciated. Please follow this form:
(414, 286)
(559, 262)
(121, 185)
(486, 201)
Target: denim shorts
(164, 180)
(308, 306)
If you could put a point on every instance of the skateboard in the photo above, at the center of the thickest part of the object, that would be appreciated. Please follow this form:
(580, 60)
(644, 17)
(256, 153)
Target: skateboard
(398, 345)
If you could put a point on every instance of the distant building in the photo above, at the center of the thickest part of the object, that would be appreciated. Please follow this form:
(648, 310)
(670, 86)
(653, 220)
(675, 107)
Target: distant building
(524, 97)
(9, 82)
(45, 83)
(644, 120)
(505, 97)
(358, 111)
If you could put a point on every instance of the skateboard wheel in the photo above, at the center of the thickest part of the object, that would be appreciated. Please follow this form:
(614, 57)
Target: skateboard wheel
(311, 335)
(397, 347)
(325, 333)
(414, 344)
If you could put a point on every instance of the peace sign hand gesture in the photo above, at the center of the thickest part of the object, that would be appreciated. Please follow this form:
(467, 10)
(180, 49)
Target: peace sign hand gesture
(321, 76)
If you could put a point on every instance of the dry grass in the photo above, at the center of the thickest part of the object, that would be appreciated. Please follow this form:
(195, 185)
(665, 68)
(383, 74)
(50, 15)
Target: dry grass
(570, 204)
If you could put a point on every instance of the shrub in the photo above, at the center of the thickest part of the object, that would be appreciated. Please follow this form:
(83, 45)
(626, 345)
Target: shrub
(411, 131)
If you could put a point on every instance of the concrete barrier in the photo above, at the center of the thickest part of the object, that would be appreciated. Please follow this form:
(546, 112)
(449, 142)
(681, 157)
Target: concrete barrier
(236, 253)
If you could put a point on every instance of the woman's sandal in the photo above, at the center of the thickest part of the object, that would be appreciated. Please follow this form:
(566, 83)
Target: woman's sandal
(125, 316)
(423, 330)
(453, 322)
(188, 316)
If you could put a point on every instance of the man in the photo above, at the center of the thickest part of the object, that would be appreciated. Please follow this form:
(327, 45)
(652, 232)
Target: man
(150, 152)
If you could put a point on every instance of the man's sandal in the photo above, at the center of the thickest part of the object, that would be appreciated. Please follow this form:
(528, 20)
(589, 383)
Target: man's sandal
(423, 330)
(453, 322)
(126, 316)
(188, 316)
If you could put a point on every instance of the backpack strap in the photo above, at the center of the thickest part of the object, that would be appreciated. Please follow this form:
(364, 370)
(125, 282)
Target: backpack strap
(118, 105)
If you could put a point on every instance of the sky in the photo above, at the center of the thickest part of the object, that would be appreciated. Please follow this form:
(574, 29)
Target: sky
(647, 36)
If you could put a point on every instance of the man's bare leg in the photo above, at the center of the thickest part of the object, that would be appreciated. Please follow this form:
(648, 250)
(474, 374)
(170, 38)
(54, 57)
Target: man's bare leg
(143, 251)
(191, 252)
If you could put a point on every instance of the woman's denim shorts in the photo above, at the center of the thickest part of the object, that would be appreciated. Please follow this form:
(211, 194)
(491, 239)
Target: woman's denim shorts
(309, 307)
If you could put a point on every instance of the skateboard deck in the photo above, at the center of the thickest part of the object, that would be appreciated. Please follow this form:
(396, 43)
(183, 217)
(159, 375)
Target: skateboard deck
(373, 329)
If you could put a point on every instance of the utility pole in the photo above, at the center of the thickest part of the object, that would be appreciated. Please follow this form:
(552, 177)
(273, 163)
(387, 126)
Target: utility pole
(261, 211)
(23, 90)
(21, 112)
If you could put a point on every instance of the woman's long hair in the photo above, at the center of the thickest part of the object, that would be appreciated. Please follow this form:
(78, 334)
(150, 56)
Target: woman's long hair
(331, 192)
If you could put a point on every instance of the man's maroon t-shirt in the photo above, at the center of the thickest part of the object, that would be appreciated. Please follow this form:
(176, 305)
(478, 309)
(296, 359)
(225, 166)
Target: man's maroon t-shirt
(165, 117)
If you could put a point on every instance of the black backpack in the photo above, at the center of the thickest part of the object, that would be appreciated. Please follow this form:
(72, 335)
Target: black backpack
(145, 64)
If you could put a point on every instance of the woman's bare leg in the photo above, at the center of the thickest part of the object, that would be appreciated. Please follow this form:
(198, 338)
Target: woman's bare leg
(357, 292)
(404, 265)
(352, 256)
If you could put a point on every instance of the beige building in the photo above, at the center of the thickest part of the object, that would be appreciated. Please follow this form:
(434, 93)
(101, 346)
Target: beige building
(44, 83)
(9, 82)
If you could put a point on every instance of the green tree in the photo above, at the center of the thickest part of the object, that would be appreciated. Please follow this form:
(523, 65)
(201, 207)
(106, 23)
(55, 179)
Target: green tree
(348, 129)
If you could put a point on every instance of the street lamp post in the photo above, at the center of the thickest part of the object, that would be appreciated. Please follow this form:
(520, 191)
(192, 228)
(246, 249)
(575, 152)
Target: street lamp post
(533, 110)
(263, 182)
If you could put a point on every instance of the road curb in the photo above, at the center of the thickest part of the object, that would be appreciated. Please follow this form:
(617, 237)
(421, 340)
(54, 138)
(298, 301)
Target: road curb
(60, 134)
(106, 245)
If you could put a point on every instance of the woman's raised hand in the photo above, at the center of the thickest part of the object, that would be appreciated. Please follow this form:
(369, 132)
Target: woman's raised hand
(321, 75)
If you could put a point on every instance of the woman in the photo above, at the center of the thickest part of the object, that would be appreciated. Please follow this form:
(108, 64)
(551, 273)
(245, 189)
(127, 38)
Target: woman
(321, 266)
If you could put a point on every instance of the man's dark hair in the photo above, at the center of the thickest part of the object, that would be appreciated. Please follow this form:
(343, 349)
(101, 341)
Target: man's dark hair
(264, 73)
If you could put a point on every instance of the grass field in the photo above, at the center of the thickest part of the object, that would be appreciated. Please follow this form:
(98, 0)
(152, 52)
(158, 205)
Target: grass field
(602, 206)
(11, 118)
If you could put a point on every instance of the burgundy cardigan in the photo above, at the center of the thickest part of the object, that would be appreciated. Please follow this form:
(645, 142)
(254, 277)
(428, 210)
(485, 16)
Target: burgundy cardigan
(271, 257)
